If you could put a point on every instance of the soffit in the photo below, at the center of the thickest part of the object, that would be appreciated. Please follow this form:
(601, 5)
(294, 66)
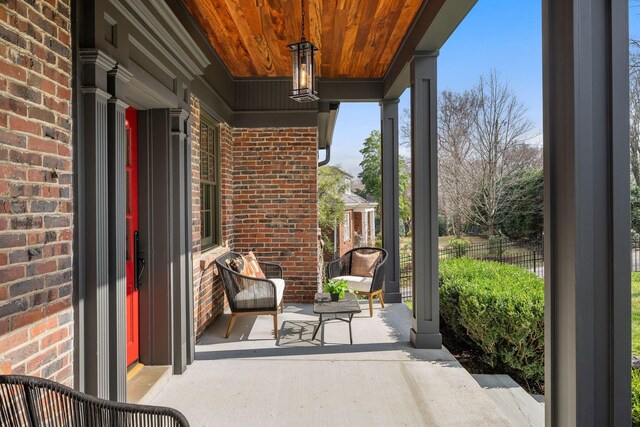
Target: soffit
(356, 38)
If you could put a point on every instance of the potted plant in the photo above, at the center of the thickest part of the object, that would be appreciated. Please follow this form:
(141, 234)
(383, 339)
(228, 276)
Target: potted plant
(336, 288)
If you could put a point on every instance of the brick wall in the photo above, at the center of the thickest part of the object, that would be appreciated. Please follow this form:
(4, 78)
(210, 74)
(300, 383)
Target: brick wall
(268, 191)
(275, 202)
(36, 333)
(208, 293)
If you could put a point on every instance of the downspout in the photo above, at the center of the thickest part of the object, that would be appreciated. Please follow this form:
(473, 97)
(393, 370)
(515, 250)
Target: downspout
(327, 157)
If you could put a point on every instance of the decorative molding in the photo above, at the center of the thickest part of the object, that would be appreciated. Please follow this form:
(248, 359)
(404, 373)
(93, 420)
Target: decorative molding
(97, 57)
(163, 35)
(155, 60)
(120, 73)
(88, 90)
(118, 103)
(163, 8)
(160, 35)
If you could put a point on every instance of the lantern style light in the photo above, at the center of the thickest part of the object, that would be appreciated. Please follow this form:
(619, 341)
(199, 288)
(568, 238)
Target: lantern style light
(304, 82)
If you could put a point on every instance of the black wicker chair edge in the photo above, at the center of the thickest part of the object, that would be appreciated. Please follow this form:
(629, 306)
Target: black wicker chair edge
(29, 383)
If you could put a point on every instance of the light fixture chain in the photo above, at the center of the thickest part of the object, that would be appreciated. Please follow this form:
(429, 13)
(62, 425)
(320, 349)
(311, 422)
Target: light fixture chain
(302, 3)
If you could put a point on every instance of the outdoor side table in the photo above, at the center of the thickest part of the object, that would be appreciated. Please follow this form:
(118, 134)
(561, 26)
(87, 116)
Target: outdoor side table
(323, 306)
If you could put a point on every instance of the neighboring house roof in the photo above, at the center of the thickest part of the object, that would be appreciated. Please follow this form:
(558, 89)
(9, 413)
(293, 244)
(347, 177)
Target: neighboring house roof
(352, 200)
(337, 169)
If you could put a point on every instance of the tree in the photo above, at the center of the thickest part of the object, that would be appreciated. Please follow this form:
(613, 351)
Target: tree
(524, 195)
(331, 188)
(501, 130)
(456, 118)
(371, 176)
(405, 127)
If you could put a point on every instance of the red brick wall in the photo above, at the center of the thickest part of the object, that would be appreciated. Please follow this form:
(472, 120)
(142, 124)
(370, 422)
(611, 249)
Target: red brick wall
(208, 293)
(275, 202)
(36, 333)
(268, 188)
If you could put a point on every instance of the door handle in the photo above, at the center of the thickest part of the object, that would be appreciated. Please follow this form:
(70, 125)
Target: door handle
(137, 268)
(139, 277)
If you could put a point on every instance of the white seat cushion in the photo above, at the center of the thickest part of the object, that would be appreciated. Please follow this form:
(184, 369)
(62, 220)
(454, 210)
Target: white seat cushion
(279, 288)
(357, 283)
(258, 296)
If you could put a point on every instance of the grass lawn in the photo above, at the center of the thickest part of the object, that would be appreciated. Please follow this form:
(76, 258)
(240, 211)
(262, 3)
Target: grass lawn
(635, 313)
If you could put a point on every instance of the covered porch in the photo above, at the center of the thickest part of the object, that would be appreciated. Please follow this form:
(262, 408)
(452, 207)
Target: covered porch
(250, 379)
(193, 96)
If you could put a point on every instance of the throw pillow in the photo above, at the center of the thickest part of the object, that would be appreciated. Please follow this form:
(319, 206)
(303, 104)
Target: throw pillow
(363, 264)
(253, 262)
(234, 264)
(247, 270)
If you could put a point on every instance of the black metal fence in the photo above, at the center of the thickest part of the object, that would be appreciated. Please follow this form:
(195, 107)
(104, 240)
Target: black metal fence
(529, 256)
(526, 255)
(406, 276)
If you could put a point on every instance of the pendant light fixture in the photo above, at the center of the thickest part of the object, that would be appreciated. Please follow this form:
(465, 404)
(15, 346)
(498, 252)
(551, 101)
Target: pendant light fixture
(304, 82)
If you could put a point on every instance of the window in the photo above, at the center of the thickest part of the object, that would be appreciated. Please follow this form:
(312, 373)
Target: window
(347, 227)
(209, 180)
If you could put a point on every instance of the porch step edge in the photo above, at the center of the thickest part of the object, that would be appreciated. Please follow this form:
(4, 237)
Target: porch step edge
(518, 406)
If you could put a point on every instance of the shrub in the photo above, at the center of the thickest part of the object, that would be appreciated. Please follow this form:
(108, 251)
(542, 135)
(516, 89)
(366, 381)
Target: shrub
(499, 310)
(635, 397)
(458, 247)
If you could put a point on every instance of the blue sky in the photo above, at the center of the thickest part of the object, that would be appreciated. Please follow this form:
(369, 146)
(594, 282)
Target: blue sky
(504, 35)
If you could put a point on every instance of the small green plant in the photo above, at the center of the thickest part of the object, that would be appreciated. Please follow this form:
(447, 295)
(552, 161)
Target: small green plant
(336, 286)
(458, 247)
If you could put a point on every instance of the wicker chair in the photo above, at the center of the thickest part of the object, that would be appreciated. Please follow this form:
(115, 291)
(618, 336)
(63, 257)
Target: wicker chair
(367, 286)
(250, 296)
(36, 402)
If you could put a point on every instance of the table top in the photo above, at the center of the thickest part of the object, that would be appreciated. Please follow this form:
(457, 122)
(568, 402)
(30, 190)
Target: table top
(322, 304)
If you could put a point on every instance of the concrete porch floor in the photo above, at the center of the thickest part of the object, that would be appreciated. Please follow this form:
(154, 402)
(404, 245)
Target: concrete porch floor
(252, 379)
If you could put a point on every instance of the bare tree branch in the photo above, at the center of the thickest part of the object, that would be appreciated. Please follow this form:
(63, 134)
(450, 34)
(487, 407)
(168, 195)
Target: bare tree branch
(502, 129)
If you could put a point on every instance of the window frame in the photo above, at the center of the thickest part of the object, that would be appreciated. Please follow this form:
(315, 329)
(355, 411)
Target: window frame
(347, 227)
(215, 239)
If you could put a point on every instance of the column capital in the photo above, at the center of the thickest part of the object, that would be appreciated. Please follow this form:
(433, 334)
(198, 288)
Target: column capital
(178, 117)
(121, 73)
(96, 57)
(95, 65)
(390, 101)
(425, 54)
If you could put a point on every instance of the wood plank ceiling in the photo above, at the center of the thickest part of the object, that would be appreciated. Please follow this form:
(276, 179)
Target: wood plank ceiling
(356, 38)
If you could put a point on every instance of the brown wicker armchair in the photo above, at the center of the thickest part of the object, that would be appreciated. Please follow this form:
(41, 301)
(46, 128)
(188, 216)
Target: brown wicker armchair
(250, 296)
(361, 285)
(31, 401)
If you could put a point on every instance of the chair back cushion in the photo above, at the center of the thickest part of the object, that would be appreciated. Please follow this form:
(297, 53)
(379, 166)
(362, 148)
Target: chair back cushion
(256, 271)
(363, 264)
(245, 265)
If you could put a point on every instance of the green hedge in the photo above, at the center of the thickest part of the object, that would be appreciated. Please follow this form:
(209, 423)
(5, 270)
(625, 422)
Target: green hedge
(498, 309)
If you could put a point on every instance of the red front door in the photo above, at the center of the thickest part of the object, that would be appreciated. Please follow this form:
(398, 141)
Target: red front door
(133, 332)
